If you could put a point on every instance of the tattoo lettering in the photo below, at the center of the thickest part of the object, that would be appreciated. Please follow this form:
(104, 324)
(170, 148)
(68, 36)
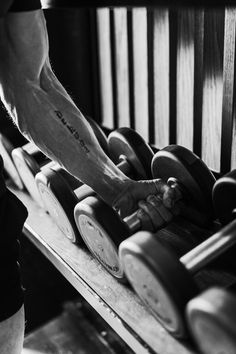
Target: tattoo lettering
(72, 130)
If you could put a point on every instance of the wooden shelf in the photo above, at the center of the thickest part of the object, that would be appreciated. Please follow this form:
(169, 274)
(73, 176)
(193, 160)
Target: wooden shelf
(116, 303)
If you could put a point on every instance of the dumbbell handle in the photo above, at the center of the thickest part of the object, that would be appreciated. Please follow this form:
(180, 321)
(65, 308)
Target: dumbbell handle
(134, 223)
(210, 249)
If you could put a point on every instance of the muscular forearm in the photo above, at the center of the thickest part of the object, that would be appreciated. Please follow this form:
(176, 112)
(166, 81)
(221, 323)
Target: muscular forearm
(46, 115)
(43, 110)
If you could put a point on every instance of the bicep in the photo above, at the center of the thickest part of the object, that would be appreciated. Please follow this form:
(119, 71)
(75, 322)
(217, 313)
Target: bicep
(24, 42)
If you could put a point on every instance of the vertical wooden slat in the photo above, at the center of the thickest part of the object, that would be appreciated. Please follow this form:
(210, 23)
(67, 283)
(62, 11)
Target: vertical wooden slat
(212, 88)
(161, 77)
(198, 81)
(122, 66)
(105, 65)
(233, 152)
(131, 66)
(150, 44)
(140, 71)
(113, 68)
(173, 74)
(227, 148)
(185, 78)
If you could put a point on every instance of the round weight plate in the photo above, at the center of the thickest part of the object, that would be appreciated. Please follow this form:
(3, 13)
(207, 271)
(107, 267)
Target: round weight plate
(126, 143)
(102, 231)
(6, 149)
(211, 317)
(100, 135)
(191, 173)
(224, 197)
(59, 200)
(160, 280)
(27, 168)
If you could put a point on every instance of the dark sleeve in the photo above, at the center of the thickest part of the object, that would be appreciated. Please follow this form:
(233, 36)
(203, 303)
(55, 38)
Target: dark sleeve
(25, 5)
(12, 217)
(18, 5)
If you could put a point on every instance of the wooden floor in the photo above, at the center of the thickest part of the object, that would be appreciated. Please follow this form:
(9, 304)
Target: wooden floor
(78, 330)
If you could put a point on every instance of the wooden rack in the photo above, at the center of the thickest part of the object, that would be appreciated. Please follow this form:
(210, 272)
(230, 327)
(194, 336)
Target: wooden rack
(116, 303)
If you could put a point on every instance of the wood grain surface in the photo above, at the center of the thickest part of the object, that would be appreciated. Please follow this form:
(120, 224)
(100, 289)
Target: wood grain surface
(115, 302)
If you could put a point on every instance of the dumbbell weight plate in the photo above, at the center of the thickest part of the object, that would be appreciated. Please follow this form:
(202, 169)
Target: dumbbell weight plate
(126, 143)
(96, 224)
(224, 196)
(211, 317)
(191, 173)
(160, 280)
(122, 142)
(6, 149)
(28, 160)
(56, 188)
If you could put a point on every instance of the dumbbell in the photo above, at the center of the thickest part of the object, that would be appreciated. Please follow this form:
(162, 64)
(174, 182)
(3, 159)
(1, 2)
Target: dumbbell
(29, 160)
(103, 230)
(211, 318)
(60, 198)
(6, 149)
(60, 191)
(180, 167)
(164, 282)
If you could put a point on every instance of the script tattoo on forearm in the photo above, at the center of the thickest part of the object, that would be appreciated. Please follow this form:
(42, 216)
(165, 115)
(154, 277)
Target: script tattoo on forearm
(72, 130)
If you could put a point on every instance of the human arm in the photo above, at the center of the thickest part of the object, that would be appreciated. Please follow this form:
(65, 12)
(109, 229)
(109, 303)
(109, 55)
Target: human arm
(45, 113)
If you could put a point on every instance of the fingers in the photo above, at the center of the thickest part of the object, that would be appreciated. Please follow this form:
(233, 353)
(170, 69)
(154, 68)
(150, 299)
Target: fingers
(167, 192)
(153, 214)
(127, 201)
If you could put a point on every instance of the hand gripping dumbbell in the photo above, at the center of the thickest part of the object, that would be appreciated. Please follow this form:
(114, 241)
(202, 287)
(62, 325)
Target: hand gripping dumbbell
(211, 318)
(60, 191)
(181, 168)
(103, 230)
(6, 149)
(164, 282)
(60, 195)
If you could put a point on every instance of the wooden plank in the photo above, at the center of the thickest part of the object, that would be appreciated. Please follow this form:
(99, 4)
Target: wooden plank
(173, 29)
(150, 51)
(122, 67)
(131, 66)
(227, 148)
(140, 71)
(212, 88)
(113, 68)
(105, 66)
(115, 302)
(185, 78)
(161, 77)
(198, 81)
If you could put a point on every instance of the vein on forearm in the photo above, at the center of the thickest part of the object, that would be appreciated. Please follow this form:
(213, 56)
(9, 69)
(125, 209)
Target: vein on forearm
(46, 114)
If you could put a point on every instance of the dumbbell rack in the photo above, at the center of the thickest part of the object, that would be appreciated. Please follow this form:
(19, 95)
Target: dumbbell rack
(115, 303)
